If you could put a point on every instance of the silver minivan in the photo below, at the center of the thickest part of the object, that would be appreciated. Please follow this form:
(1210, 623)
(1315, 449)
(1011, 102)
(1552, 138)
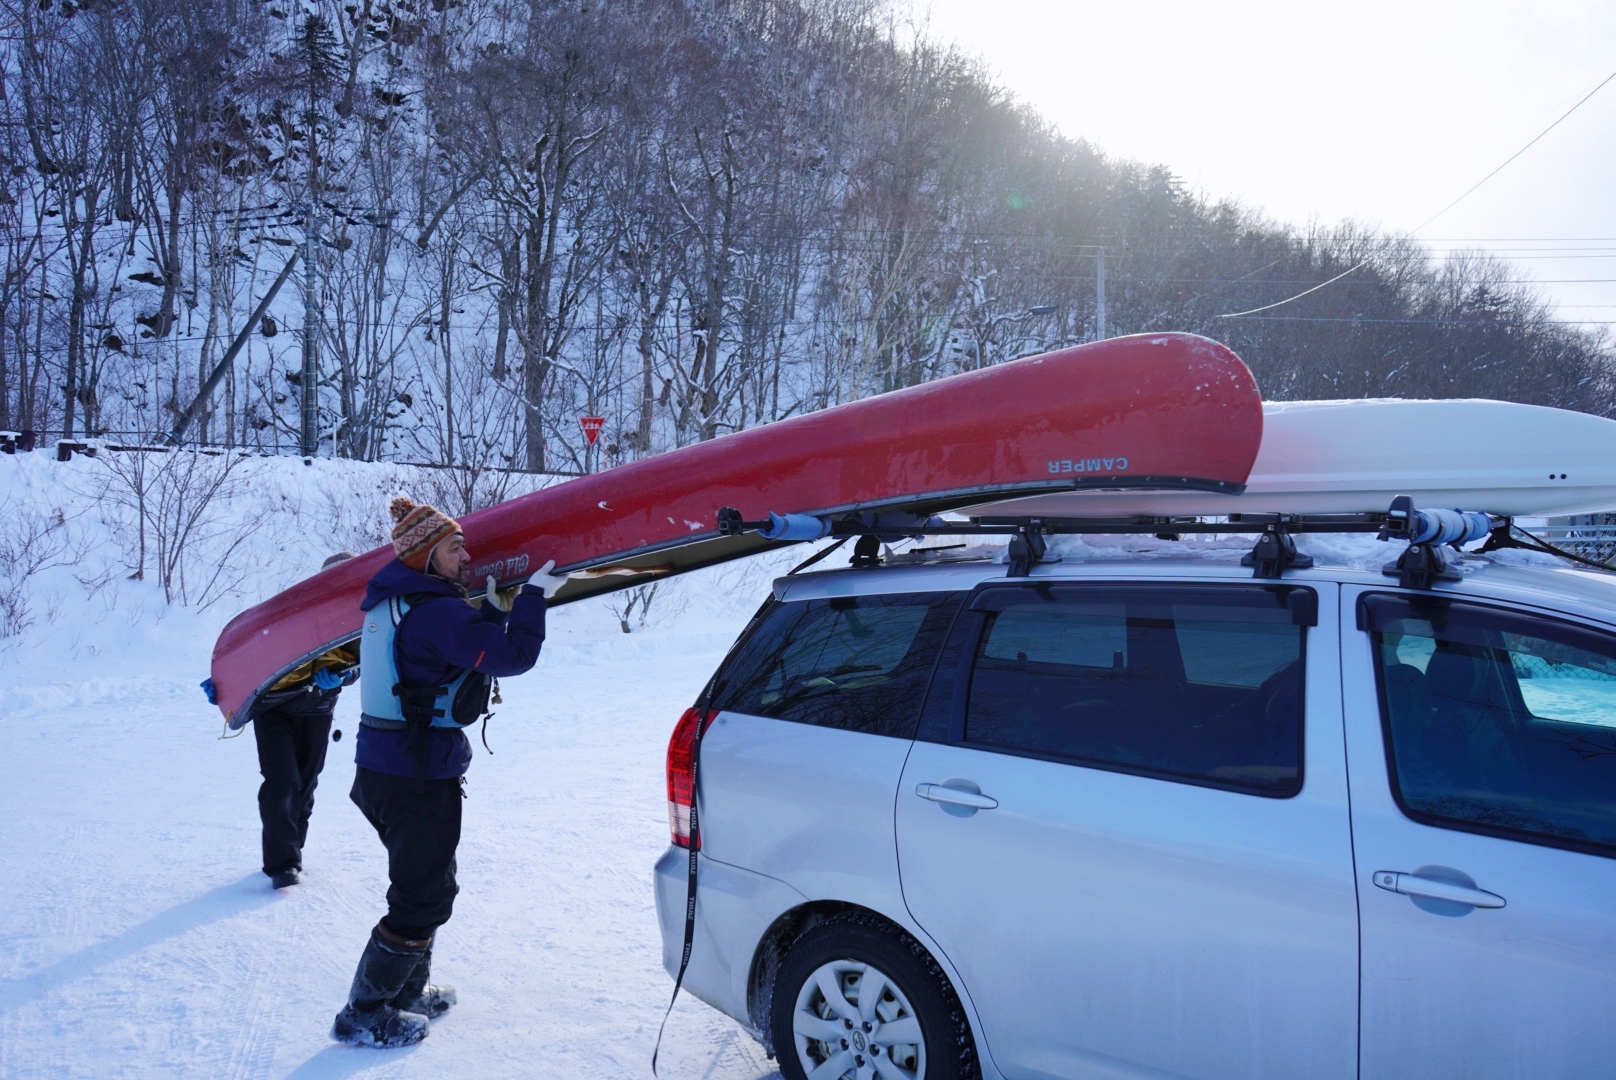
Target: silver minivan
(1152, 817)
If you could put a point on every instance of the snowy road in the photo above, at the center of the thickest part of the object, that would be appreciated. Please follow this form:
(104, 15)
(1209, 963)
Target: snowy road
(139, 939)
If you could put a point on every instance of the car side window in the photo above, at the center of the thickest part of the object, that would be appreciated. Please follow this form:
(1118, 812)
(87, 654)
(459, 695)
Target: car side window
(860, 662)
(1190, 683)
(1498, 721)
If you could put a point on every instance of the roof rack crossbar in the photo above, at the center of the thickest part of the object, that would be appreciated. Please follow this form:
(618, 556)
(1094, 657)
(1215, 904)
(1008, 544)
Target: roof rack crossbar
(808, 527)
(1435, 537)
(1249, 523)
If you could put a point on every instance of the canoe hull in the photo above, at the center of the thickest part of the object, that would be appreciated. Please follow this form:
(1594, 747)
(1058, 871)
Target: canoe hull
(1159, 412)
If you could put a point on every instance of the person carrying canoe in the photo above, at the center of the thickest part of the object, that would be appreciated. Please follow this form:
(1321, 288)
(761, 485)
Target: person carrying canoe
(426, 658)
(292, 727)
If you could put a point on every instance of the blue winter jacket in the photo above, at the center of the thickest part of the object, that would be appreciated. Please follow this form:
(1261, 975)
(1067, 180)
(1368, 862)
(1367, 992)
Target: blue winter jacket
(439, 636)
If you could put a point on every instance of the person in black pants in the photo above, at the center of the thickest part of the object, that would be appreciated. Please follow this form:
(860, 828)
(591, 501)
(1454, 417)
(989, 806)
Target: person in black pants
(427, 656)
(292, 739)
(292, 726)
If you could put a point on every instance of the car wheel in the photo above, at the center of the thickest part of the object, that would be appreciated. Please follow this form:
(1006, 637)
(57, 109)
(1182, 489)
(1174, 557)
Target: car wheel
(855, 1000)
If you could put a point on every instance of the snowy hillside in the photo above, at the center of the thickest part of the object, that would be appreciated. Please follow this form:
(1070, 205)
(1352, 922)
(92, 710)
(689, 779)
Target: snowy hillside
(140, 938)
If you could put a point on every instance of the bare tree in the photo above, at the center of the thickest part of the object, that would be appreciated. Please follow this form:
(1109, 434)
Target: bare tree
(688, 218)
(531, 116)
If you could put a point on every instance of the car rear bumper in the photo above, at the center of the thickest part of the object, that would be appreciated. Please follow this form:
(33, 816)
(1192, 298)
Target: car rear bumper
(734, 908)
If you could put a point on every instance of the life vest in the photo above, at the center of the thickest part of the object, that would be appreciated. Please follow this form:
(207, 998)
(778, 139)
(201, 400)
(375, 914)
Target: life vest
(459, 703)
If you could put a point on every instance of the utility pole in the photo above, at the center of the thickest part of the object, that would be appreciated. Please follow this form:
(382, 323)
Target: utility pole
(1099, 295)
(318, 48)
(311, 333)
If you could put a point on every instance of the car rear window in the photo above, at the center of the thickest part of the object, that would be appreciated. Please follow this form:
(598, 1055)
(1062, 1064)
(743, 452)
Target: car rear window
(860, 663)
(1497, 721)
(1202, 684)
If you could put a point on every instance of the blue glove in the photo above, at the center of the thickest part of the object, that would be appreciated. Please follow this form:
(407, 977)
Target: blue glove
(328, 679)
(208, 689)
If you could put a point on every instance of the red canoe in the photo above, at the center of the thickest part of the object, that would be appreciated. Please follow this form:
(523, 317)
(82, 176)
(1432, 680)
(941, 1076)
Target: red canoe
(1149, 411)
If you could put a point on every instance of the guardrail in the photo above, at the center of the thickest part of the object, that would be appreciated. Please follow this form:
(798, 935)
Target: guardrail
(29, 441)
(1577, 532)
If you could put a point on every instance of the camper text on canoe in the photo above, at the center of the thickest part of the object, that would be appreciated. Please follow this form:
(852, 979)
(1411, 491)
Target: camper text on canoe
(1089, 465)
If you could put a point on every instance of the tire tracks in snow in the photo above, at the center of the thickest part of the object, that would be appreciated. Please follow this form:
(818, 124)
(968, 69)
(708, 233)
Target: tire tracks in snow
(331, 900)
(254, 1055)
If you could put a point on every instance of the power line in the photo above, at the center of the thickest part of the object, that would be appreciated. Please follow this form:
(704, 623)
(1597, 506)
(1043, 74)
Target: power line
(1515, 257)
(1518, 153)
(1581, 101)
(426, 322)
(1455, 320)
(918, 243)
(1463, 320)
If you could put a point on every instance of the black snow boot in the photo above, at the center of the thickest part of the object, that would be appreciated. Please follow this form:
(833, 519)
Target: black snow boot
(420, 996)
(370, 1018)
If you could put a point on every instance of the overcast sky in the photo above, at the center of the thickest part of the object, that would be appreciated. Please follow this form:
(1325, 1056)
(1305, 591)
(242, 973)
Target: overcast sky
(1375, 111)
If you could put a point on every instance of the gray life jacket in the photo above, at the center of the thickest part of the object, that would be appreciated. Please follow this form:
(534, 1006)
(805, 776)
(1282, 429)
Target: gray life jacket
(458, 703)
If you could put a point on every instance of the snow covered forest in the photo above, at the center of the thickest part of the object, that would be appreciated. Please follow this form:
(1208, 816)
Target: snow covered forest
(686, 216)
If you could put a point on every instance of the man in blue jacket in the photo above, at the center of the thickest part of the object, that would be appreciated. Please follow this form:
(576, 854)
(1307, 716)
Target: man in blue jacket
(426, 658)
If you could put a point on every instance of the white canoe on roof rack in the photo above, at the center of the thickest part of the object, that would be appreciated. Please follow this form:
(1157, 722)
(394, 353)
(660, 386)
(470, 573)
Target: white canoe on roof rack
(1345, 457)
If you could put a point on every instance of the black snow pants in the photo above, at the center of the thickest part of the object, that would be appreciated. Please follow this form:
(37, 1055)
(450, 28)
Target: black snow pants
(419, 823)
(291, 752)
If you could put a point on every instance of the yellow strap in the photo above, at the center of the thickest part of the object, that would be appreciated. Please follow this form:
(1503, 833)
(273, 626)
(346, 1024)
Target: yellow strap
(340, 657)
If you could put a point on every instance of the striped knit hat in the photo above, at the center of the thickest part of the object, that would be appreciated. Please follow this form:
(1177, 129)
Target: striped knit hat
(417, 529)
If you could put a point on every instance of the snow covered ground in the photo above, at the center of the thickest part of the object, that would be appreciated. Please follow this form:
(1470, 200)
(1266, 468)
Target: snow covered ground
(137, 935)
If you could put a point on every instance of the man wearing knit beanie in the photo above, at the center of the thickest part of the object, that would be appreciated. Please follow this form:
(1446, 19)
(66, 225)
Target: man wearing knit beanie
(426, 658)
(418, 530)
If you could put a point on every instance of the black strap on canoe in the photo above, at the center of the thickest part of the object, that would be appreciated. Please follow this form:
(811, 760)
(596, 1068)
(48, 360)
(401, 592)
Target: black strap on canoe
(695, 850)
(816, 556)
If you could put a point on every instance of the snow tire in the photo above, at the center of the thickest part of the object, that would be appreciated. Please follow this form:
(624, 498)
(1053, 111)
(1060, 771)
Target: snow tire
(917, 985)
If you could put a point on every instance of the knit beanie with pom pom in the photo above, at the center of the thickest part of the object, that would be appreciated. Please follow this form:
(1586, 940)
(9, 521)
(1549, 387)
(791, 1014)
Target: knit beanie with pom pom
(417, 529)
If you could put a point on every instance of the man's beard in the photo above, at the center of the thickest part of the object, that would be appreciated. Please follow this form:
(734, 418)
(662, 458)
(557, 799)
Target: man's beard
(463, 582)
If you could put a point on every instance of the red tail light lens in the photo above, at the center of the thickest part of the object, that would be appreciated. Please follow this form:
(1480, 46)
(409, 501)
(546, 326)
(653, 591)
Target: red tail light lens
(681, 755)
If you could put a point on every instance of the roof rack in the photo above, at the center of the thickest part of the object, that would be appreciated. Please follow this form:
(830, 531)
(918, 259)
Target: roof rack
(1435, 538)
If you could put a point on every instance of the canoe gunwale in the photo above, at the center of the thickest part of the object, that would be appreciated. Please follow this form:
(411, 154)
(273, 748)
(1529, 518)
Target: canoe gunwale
(923, 505)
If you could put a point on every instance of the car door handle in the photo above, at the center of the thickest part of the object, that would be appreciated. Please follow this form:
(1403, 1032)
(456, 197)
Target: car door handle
(1430, 888)
(955, 796)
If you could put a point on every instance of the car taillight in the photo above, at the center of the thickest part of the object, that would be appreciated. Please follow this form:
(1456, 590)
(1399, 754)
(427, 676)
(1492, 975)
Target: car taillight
(681, 754)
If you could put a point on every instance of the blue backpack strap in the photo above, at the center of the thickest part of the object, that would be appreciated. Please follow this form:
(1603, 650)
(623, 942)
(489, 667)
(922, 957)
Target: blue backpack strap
(378, 655)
